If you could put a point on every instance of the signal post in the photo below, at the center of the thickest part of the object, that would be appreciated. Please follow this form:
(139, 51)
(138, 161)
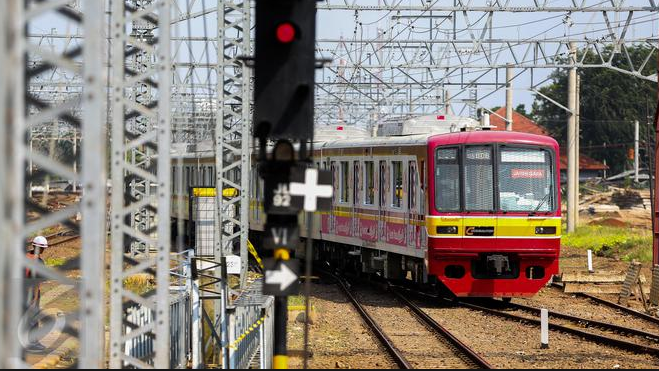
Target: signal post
(283, 126)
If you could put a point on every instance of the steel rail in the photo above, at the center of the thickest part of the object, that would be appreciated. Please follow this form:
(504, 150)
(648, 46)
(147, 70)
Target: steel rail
(587, 321)
(605, 340)
(424, 318)
(394, 352)
(63, 241)
(613, 305)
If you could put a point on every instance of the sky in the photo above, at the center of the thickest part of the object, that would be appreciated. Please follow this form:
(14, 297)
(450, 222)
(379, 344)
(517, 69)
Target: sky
(413, 25)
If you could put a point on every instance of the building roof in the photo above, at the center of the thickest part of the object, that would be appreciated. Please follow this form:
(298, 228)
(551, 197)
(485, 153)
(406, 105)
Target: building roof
(520, 123)
(585, 162)
(524, 124)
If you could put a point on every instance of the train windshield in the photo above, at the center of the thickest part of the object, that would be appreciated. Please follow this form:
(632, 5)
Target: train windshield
(465, 179)
(525, 180)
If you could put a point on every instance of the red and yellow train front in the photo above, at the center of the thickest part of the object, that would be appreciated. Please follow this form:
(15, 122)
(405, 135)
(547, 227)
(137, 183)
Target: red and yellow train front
(494, 219)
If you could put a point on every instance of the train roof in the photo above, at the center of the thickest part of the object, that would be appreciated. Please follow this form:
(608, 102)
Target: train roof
(477, 136)
(487, 136)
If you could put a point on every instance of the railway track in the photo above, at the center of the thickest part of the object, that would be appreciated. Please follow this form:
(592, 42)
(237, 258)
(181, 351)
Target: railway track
(446, 336)
(592, 336)
(643, 336)
(463, 356)
(503, 310)
(397, 356)
(616, 306)
(63, 236)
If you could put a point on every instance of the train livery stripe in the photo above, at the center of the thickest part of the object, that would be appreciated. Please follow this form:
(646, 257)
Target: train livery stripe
(501, 226)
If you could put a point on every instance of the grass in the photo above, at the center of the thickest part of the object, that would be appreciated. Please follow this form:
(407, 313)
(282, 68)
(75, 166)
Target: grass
(55, 262)
(140, 283)
(625, 243)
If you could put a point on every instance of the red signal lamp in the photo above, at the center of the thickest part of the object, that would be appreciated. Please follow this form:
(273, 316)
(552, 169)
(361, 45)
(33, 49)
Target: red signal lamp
(286, 33)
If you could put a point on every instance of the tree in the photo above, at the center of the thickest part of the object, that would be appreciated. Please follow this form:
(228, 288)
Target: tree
(610, 103)
(521, 109)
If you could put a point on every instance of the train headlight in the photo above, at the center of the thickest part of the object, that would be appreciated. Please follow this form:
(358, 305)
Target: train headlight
(545, 230)
(447, 230)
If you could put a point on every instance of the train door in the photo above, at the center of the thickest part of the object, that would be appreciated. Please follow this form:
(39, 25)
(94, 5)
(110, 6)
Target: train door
(356, 199)
(335, 184)
(412, 205)
(382, 191)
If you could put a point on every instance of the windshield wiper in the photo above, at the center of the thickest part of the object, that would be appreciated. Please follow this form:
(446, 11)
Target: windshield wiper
(541, 203)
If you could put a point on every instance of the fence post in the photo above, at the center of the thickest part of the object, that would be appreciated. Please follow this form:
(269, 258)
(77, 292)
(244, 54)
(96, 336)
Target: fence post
(195, 297)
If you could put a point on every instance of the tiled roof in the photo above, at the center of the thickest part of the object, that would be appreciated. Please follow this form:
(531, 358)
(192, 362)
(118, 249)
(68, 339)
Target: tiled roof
(520, 123)
(524, 124)
(585, 162)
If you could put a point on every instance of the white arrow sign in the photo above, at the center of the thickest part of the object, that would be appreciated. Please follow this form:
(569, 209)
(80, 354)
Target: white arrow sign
(284, 277)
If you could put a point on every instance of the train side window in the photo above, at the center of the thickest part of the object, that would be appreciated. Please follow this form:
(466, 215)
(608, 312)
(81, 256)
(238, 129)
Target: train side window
(384, 183)
(369, 183)
(173, 179)
(412, 187)
(447, 180)
(478, 176)
(423, 188)
(213, 176)
(397, 183)
(356, 185)
(344, 182)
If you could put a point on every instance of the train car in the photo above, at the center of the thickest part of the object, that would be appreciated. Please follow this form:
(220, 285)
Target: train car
(439, 200)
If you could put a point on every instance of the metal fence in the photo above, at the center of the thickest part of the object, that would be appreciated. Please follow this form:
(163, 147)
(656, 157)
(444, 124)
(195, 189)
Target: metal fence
(251, 329)
(181, 321)
(142, 346)
(203, 219)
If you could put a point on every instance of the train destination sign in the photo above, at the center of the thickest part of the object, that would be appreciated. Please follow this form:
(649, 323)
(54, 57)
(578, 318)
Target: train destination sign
(281, 277)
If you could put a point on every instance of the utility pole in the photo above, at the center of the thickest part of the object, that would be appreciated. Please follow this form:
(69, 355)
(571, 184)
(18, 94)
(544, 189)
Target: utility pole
(577, 143)
(572, 156)
(636, 144)
(655, 216)
(75, 159)
(509, 97)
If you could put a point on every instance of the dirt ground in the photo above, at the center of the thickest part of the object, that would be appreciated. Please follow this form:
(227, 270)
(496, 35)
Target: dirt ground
(599, 208)
(339, 339)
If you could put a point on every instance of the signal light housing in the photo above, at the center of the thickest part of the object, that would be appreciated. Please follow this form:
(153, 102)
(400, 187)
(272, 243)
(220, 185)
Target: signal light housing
(284, 69)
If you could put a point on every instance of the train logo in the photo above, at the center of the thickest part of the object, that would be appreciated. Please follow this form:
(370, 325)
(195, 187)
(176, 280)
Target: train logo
(479, 231)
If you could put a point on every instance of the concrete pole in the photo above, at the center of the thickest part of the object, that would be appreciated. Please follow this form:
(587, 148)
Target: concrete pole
(572, 157)
(30, 167)
(577, 142)
(447, 102)
(636, 143)
(509, 97)
(75, 158)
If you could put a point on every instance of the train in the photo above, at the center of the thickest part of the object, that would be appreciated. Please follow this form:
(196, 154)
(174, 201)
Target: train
(437, 200)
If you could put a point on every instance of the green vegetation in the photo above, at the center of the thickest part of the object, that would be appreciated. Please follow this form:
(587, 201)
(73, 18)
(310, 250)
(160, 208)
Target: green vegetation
(624, 243)
(610, 103)
(140, 283)
(296, 300)
(55, 262)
